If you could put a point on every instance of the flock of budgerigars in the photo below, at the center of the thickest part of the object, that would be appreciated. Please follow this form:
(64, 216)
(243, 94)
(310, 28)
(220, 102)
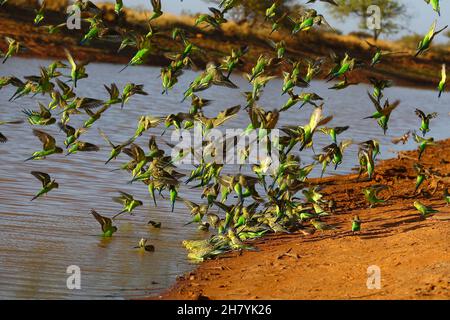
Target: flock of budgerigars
(274, 199)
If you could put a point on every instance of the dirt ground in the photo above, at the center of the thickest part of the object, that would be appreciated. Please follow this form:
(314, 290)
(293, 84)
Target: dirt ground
(412, 253)
(404, 70)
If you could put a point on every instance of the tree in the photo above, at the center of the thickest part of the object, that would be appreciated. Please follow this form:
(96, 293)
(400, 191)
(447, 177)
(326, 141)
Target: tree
(389, 23)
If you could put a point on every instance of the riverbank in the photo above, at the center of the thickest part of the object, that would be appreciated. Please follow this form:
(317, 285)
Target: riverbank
(412, 253)
(403, 69)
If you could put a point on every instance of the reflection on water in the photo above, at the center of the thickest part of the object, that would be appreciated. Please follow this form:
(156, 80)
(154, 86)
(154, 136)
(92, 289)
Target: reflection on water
(40, 239)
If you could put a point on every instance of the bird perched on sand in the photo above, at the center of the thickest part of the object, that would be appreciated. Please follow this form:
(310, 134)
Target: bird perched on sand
(447, 196)
(106, 223)
(425, 43)
(425, 211)
(356, 224)
(47, 183)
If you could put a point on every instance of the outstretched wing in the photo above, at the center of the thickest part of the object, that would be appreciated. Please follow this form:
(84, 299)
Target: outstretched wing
(48, 142)
(3, 139)
(70, 59)
(126, 195)
(41, 176)
(156, 4)
(68, 130)
(86, 146)
(106, 138)
(420, 114)
(135, 152)
(104, 221)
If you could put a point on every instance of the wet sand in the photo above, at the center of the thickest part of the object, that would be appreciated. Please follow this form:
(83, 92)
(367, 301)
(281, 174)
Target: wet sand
(412, 253)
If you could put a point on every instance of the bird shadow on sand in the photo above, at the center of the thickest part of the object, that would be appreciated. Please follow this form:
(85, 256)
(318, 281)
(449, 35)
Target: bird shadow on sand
(409, 219)
(347, 234)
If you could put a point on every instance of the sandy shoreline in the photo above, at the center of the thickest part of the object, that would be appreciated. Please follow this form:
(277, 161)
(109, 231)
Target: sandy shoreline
(412, 254)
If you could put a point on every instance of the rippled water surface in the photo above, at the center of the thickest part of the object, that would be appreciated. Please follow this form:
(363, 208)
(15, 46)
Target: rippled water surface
(40, 239)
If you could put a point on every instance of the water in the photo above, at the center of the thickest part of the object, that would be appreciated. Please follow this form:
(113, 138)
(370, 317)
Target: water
(40, 239)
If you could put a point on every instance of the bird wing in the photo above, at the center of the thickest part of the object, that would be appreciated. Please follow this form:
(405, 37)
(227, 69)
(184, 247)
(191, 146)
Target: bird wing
(45, 113)
(345, 144)
(156, 4)
(375, 102)
(223, 206)
(390, 107)
(47, 140)
(64, 87)
(3, 139)
(443, 74)
(106, 138)
(420, 114)
(226, 115)
(86, 146)
(432, 115)
(135, 152)
(68, 130)
(10, 40)
(126, 196)
(41, 176)
(191, 205)
(418, 138)
(70, 59)
(104, 221)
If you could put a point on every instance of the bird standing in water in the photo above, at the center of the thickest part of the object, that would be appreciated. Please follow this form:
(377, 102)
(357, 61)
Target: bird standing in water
(106, 223)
